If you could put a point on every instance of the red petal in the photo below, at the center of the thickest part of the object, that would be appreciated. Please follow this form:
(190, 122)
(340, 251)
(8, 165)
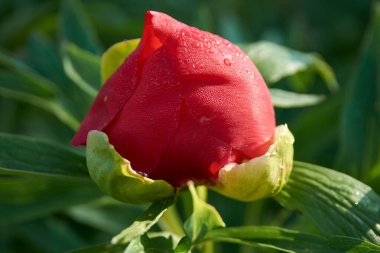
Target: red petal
(225, 92)
(111, 98)
(144, 127)
(193, 154)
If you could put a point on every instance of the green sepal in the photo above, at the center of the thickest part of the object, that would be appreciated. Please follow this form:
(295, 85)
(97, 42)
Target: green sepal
(115, 176)
(115, 56)
(262, 176)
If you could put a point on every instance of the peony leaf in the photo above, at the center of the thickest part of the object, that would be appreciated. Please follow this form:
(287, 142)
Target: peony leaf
(25, 156)
(82, 67)
(115, 176)
(115, 56)
(289, 240)
(203, 219)
(360, 136)
(144, 222)
(20, 82)
(39, 177)
(276, 62)
(288, 99)
(76, 27)
(262, 176)
(335, 203)
(69, 94)
(105, 214)
(150, 243)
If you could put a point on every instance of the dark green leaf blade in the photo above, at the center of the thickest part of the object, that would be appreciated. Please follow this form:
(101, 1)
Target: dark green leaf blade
(289, 240)
(75, 26)
(360, 135)
(21, 155)
(100, 248)
(37, 178)
(25, 198)
(334, 202)
(20, 82)
(69, 95)
(82, 67)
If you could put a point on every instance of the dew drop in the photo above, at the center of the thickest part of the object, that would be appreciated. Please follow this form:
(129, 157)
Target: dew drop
(142, 173)
(227, 62)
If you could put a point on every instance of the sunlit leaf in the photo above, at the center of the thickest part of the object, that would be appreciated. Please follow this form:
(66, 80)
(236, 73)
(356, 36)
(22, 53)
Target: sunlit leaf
(203, 219)
(82, 67)
(335, 203)
(145, 243)
(144, 222)
(276, 62)
(288, 99)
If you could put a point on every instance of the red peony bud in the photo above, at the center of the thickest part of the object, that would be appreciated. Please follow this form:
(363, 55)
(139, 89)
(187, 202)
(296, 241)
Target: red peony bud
(183, 105)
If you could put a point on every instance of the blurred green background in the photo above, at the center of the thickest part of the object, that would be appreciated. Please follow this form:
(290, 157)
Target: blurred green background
(340, 133)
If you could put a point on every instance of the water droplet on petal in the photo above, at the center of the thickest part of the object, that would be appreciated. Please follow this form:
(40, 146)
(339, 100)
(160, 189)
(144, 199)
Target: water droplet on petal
(142, 173)
(227, 62)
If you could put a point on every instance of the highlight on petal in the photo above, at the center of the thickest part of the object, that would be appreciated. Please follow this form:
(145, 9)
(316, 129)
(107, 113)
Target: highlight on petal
(262, 176)
(115, 176)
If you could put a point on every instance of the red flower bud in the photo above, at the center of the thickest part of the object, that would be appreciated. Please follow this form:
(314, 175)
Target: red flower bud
(184, 104)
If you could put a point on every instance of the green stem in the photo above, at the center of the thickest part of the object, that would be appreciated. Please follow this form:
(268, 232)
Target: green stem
(208, 246)
(171, 221)
(202, 192)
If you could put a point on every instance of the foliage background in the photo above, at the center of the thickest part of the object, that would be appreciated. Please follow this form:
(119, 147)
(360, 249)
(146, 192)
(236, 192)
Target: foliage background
(340, 133)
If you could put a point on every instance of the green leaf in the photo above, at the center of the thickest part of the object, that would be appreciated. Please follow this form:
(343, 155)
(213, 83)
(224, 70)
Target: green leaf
(115, 56)
(48, 105)
(360, 135)
(153, 244)
(105, 214)
(25, 198)
(21, 20)
(287, 99)
(20, 82)
(184, 245)
(24, 156)
(69, 95)
(12, 81)
(114, 175)
(317, 141)
(38, 177)
(75, 27)
(203, 219)
(49, 235)
(82, 67)
(289, 240)
(144, 222)
(100, 248)
(334, 202)
(276, 62)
